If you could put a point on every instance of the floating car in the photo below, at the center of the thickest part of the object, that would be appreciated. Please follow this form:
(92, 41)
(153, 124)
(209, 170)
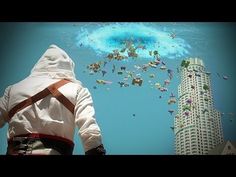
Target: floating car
(137, 80)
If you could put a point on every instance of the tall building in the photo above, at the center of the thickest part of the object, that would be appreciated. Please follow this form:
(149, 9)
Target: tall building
(197, 124)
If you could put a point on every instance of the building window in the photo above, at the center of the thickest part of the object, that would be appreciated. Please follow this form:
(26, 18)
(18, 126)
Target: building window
(229, 147)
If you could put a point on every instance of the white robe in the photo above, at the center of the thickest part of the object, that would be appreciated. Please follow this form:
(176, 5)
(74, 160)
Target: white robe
(48, 115)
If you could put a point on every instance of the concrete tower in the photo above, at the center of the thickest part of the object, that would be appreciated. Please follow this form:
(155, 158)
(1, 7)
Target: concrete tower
(197, 124)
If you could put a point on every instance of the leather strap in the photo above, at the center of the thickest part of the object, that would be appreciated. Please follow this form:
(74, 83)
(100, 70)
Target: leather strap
(53, 90)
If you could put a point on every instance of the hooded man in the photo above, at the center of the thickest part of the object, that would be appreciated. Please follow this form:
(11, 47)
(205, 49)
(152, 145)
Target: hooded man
(43, 109)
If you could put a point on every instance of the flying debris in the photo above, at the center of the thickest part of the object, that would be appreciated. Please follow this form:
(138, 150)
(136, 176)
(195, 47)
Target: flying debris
(123, 84)
(123, 50)
(208, 73)
(119, 72)
(163, 67)
(104, 64)
(189, 101)
(122, 68)
(151, 75)
(137, 67)
(160, 96)
(171, 101)
(99, 81)
(177, 70)
(94, 87)
(185, 63)
(225, 77)
(172, 128)
(186, 113)
(150, 53)
(130, 74)
(218, 75)
(172, 95)
(186, 107)
(94, 66)
(134, 115)
(145, 67)
(202, 92)
(166, 82)
(158, 85)
(152, 64)
(116, 55)
(163, 63)
(206, 87)
(155, 52)
(113, 68)
(103, 72)
(137, 81)
(163, 89)
(173, 35)
(171, 111)
(170, 73)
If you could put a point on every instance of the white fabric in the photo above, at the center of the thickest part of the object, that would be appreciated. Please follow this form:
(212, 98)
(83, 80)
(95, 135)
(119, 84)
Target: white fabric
(49, 116)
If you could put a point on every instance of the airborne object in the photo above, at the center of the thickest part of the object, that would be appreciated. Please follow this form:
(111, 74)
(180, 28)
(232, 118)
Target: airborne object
(163, 67)
(122, 68)
(186, 113)
(172, 95)
(152, 75)
(99, 81)
(171, 111)
(172, 35)
(171, 100)
(225, 77)
(113, 68)
(189, 101)
(136, 81)
(103, 72)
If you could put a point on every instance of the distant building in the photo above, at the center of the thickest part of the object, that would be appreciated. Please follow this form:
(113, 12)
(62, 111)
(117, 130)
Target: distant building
(225, 148)
(197, 124)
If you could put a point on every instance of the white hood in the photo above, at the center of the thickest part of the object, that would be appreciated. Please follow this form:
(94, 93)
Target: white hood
(56, 64)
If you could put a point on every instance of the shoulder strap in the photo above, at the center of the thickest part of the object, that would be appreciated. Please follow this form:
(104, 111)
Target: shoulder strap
(52, 89)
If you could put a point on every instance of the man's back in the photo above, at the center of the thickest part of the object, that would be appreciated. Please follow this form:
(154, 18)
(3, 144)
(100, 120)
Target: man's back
(48, 117)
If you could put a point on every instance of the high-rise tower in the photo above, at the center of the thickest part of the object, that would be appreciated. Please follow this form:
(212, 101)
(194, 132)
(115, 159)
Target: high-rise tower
(197, 124)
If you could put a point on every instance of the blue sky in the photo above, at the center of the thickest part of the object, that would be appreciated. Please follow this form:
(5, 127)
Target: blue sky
(148, 132)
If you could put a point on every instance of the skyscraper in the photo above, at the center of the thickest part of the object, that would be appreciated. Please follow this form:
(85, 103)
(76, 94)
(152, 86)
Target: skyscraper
(197, 124)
